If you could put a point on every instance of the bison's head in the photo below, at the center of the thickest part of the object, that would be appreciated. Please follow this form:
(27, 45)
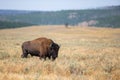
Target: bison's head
(54, 50)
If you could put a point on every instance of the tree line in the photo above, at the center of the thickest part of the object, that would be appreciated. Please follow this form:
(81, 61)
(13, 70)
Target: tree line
(104, 17)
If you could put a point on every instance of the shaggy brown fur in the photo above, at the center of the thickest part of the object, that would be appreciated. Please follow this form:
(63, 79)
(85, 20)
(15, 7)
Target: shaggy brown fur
(41, 47)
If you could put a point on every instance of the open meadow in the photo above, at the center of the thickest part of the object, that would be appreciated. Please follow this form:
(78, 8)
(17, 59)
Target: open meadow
(86, 53)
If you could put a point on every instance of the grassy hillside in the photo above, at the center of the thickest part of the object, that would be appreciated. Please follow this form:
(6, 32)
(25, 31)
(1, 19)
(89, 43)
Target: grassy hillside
(86, 54)
(12, 24)
(105, 17)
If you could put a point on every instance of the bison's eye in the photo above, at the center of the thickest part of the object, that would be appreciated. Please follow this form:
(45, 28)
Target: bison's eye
(57, 47)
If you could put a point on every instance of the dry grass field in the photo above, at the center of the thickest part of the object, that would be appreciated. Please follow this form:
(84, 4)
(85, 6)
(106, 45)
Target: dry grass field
(86, 53)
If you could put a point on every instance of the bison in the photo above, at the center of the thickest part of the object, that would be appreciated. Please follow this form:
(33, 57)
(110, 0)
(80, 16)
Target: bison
(41, 47)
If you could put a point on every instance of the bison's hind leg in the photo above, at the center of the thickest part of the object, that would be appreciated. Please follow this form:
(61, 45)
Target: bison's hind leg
(25, 53)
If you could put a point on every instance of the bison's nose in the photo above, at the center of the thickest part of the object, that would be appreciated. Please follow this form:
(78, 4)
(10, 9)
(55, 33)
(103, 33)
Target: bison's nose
(53, 58)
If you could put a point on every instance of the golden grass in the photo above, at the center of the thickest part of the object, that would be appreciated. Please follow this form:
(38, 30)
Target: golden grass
(86, 54)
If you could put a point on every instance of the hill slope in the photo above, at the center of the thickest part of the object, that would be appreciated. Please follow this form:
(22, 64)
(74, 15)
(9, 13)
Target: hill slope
(106, 17)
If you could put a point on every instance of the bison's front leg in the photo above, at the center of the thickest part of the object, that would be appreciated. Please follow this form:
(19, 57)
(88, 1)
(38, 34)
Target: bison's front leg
(40, 58)
(49, 57)
(44, 57)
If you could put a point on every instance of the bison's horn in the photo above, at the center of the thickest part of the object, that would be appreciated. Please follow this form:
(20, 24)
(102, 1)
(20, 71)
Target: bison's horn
(51, 44)
(60, 45)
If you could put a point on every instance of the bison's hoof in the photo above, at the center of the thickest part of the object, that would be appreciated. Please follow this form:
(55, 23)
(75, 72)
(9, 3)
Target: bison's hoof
(22, 56)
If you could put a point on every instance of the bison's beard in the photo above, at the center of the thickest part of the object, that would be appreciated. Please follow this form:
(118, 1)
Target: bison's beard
(53, 54)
